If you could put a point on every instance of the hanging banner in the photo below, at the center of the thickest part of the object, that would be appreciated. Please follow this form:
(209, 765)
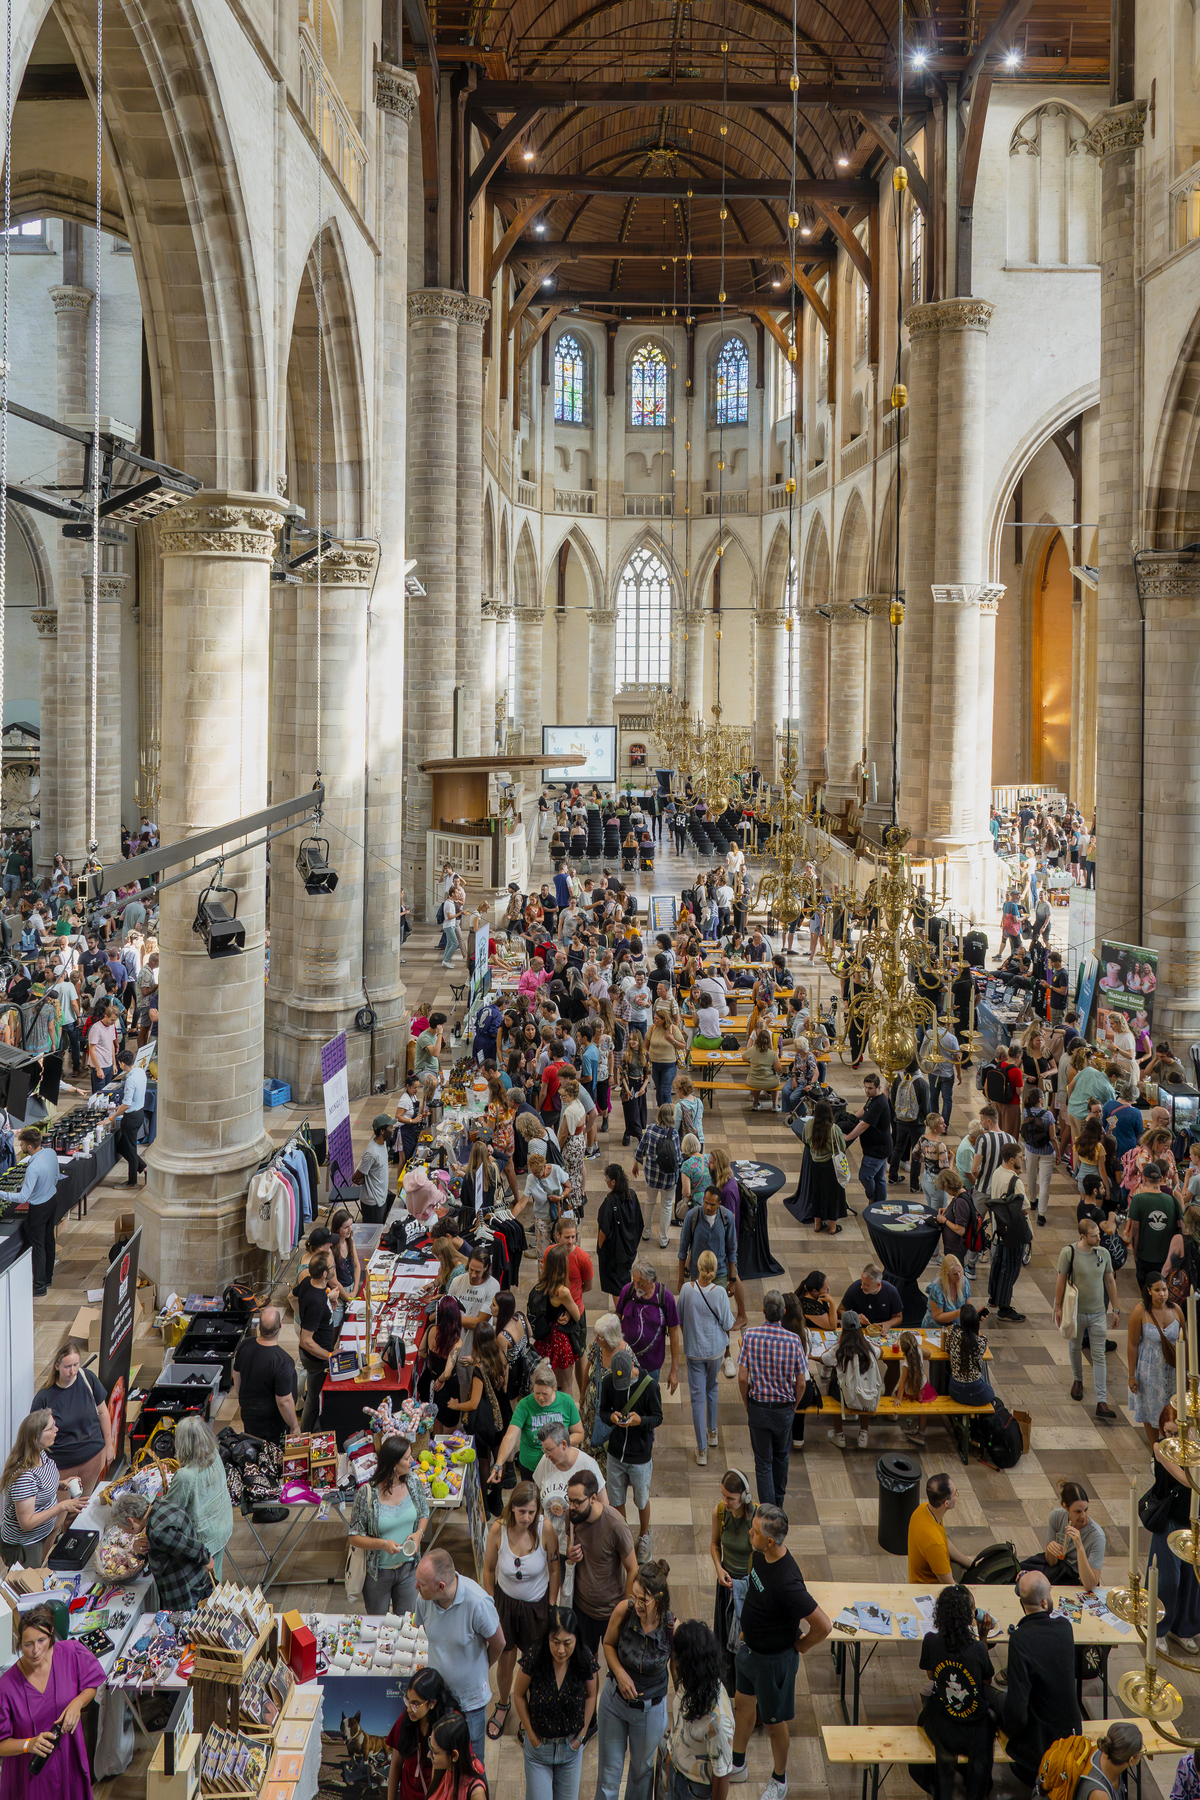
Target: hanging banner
(337, 1110)
(116, 1336)
(1128, 978)
(481, 974)
(1086, 991)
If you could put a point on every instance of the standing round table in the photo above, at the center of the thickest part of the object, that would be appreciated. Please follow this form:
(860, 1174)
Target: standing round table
(755, 1261)
(904, 1237)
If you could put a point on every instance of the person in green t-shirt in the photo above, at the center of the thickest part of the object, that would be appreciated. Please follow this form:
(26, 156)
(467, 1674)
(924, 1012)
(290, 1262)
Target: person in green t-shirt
(1154, 1216)
(545, 1405)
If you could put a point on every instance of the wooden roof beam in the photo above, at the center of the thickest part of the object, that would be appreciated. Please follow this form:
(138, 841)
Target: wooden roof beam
(735, 187)
(509, 96)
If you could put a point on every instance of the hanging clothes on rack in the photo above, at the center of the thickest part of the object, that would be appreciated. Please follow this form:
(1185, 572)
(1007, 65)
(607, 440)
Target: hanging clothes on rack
(281, 1200)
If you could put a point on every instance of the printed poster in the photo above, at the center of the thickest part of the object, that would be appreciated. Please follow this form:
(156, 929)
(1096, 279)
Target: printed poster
(1128, 978)
(337, 1111)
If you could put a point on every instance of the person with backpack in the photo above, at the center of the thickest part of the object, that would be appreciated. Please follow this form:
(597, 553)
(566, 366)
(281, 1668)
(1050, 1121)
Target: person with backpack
(650, 1320)
(1085, 1276)
(912, 1102)
(1038, 1138)
(1002, 1084)
(1008, 1204)
(859, 1371)
(1075, 1769)
(659, 1155)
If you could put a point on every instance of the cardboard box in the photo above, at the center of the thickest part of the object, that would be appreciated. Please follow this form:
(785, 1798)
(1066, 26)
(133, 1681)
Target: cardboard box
(302, 1657)
(295, 1456)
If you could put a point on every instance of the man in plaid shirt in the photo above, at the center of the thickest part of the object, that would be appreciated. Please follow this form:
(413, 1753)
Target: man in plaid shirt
(181, 1566)
(772, 1374)
(659, 1154)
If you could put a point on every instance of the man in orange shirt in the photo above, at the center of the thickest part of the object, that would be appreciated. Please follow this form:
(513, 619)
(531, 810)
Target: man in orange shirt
(930, 1552)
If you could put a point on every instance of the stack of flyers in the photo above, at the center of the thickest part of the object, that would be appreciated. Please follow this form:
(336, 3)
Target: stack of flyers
(876, 1619)
(847, 1619)
(910, 1625)
(924, 1606)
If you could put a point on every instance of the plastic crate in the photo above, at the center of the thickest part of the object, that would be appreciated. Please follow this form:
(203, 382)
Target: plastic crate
(276, 1093)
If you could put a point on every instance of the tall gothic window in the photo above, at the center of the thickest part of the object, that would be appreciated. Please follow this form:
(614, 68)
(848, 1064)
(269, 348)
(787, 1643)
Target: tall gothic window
(648, 386)
(733, 383)
(916, 255)
(644, 622)
(568, 380)
(787, 378)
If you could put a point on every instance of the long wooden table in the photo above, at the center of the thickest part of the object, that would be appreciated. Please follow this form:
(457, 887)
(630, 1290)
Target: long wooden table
(1000, 1602)
(868, 1747)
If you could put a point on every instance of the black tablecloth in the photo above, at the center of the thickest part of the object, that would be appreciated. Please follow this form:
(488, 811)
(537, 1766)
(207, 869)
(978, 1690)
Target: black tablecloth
(905, 1255)
(755, 1261)
(78, 1179)
(343, 1402)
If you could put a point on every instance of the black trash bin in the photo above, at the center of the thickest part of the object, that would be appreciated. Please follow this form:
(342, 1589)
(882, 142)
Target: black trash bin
(899, 1480)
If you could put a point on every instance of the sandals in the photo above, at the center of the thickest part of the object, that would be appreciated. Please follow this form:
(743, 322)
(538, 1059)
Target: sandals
(498, 1720)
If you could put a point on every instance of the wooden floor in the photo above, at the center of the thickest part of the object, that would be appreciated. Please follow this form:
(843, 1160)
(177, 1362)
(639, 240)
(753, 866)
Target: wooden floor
(832, 1494)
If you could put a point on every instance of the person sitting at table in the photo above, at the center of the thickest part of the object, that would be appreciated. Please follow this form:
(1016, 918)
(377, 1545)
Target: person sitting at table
(955, 1716)
(875, 1300)
(945, 1294)
(1039, 1705)
(966, 1347)
(913, 1384)
(855, 1361)
(764, 1072)
(1074, 1556)
(930, 1551)
(816, 1302)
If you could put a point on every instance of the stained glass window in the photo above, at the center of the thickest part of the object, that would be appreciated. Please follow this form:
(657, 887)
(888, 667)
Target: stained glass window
(568, 380)
(648, 386)
(644, 622)
(733, 383)
(916, 255)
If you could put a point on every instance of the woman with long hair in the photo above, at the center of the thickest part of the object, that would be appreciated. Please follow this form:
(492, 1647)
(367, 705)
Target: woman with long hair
(955, 1715)
(817, 1302)
(635, 1077)
(1156, 1341)
(457, 1771)
(559, 1312)
(572, 1137)
(620, 1224)
(439, 1346)
(966, 1347)
(555, 1696)
(731, 1551)
(701, 1739)
(1168, 1510)
(32, 1512)
(391, 1513)
(855, 1348)
(819, 1195)
(633, 1704)
(1090, 1157)
(79, 1404)
(913, 1384)
(487, 1410)
(945, 1294)
(521, 1571)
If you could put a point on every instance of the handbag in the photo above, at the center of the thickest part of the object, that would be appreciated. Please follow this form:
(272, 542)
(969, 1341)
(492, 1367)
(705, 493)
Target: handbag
(1154, 1510)
(812, 1400)
(601, 1427)
(841, 1167)
(356, 1576)
(1070, 1308)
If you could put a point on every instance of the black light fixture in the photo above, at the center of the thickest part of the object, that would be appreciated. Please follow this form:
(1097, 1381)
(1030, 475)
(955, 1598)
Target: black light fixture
(312, 862)
(222, 930)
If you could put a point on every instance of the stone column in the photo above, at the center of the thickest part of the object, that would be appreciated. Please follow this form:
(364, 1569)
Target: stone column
(1171, 880)
(432, 623)
(1118, 135)
(772, 643)
(387, 674)
(560, 665)
(916, 634)
(46, 620)
(149, 617)
(988, 608)
(316, 979)
(813, 699)
(693, 663)
(71, 308)
(847, 688)
(487, 677)
(472, 314)
(526, 707)
(503, 615)
(602, 664)
(108, 709)
(880, 673)
(216, 553)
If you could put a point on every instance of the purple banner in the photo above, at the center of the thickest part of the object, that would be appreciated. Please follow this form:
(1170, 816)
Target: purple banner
(337, 1110)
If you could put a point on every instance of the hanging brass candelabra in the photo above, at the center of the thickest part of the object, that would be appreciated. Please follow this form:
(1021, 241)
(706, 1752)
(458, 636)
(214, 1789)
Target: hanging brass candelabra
(883, 1005)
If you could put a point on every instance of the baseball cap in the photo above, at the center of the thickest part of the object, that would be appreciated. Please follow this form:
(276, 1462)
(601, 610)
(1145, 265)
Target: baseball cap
(851, 1318)
(381, 1122)
(621, 1369)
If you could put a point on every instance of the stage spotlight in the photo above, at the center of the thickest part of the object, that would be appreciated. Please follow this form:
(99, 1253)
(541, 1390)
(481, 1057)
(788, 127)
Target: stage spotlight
(312, 861)
(222, 930)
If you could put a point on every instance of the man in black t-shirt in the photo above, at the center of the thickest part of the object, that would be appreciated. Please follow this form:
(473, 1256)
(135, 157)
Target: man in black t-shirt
(318, 1333)
(264, 1381)
(873, 1299)
(776, 1606)
(875, 1129)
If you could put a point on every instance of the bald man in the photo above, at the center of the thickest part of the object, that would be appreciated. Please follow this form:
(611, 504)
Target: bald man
(264, 1381)
(465, 1638)
(1040, 1704)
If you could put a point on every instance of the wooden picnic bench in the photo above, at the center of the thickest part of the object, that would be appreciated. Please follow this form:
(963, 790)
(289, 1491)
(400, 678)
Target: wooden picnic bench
(870, 1747)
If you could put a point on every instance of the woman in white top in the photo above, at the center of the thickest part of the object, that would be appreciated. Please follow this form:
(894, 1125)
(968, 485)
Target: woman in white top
(522, 1573)
(572, 1137)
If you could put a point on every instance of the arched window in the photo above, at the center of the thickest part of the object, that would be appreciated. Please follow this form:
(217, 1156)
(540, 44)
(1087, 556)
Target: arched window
(568, 380)
(648, 386)
(787, 378)
(916, 255)
(733, 383)
(644, 622)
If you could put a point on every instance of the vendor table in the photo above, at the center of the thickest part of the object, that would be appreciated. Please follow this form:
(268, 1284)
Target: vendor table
(904, 1250)
(342, 1402)
(75, 1182)
(892, 1603)
(891, 1356)
(755, 1261)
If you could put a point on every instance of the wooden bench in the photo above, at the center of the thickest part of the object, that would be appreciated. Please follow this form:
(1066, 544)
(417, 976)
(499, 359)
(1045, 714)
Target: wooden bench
(954, 1413)
(869, 1747)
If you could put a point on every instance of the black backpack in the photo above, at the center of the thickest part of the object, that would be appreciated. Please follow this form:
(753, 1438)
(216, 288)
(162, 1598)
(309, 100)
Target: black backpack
(667, 1156)
(537, 1313)
(995, 1085)
(440, 915)
(1000, 1442)
(997, 1566)
(1035, 1132)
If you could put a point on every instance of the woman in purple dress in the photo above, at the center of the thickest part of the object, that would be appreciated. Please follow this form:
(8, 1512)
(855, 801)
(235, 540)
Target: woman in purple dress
(49, 1685)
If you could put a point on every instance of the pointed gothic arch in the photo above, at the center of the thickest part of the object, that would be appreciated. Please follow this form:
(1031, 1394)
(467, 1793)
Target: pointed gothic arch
(854, 551)
(775, 572)
(814, 588)
(489, 547)
(526, 585)
(343, 450)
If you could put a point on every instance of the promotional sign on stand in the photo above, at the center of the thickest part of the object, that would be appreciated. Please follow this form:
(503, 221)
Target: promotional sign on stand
(116, 1336)
(1128, 978)
(337, 1110)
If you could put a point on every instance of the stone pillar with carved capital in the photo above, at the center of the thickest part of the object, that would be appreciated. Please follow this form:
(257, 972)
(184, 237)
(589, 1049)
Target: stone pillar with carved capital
(772, 646)
(602, 664)
(877, 810)
(217, 552)
(487, 677)
(1117, 134)
(46, 620)
(387, 676)
(526, 705)
(693, 663)
(812, 701)
(1170, 910)
(847, 690)
(989, 606)
(504, 615)
(472, 316)
(71, 308)
(315, 986)
(432, 622)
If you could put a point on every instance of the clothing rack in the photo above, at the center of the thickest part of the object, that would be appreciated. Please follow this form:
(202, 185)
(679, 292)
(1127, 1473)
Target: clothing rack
(281, 1267)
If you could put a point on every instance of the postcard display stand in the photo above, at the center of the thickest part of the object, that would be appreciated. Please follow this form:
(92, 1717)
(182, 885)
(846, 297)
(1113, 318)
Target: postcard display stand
(254, 1726)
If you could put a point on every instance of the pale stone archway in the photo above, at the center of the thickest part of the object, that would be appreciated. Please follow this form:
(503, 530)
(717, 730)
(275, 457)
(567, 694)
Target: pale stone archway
(812, 655)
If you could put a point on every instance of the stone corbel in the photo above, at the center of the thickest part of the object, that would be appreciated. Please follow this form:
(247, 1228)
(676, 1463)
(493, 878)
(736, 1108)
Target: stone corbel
(46, 620)
(987, 596)
(396, 91)
(1120, 128)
